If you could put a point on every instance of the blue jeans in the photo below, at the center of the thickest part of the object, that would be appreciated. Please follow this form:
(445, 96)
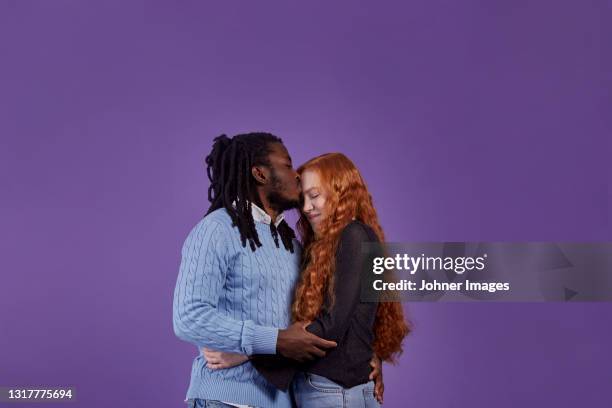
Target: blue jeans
(314, 391)
(203, 403)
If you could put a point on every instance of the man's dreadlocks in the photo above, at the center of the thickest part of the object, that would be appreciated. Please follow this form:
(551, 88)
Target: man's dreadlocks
(232, 186)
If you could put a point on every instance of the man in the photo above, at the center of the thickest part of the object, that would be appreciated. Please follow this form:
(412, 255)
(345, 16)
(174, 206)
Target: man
(236, 279)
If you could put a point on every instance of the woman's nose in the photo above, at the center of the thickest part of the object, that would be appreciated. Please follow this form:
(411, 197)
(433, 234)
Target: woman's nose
(307, 206)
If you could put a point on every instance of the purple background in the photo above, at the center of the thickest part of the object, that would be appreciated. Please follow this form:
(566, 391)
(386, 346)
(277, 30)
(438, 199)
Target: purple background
(471, 120)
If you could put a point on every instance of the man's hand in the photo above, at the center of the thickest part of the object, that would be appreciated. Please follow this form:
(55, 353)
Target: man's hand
(377, 376)
(216, 360)
(297, 344)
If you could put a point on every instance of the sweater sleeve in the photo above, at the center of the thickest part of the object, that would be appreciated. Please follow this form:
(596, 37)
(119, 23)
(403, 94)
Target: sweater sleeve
(332, 324)
(203, 270)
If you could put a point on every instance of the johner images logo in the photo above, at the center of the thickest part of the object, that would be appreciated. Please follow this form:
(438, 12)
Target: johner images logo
(488, 271)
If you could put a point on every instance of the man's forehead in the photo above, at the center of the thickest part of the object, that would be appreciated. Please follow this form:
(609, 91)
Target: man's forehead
(279, 150)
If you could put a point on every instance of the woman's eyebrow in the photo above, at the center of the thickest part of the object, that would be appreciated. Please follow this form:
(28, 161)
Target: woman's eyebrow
(310, 189)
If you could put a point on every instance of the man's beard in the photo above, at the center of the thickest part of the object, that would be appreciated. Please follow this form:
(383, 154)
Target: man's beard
(275, 198)
(280, 203)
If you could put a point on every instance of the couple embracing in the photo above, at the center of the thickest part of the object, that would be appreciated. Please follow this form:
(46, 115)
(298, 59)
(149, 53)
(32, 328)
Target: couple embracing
(279, 322)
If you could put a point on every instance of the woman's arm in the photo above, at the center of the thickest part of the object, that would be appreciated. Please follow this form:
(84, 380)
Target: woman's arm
(377, 376)
(333, 324)
(216, 360)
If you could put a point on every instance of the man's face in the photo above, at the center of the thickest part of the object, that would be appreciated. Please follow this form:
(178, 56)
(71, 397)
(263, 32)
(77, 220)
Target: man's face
(284, 191)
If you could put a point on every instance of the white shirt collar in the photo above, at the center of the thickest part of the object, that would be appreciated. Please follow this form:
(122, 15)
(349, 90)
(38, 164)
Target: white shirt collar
(259, 215)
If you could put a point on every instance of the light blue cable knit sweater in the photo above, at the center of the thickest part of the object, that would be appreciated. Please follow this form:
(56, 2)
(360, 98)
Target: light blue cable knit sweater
(230, 298)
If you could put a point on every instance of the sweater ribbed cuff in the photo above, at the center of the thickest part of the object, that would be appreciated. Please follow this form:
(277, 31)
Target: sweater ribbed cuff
(259, 339)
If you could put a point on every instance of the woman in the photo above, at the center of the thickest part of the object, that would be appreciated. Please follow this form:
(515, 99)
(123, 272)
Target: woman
(337, 217)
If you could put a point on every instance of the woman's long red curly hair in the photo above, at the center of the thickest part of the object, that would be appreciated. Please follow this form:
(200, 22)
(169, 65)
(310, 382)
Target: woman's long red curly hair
(347, 198)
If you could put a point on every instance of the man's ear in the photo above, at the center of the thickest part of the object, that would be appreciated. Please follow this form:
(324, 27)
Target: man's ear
(261, 174)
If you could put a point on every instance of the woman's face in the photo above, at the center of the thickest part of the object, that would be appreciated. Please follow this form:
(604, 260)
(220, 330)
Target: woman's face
(314, 198)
